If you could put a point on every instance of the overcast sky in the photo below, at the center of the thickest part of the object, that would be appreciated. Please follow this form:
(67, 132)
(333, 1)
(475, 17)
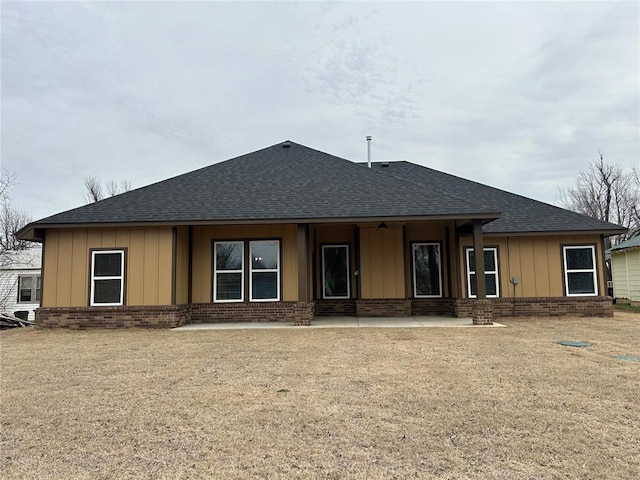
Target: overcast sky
(516, 95)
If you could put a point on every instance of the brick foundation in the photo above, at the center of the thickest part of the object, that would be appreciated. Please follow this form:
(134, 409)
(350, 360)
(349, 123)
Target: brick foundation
(301, 313)
(336, 307)
(431, 306)
(482, 312)
(384, 307)
(77, 318)
(539, 307)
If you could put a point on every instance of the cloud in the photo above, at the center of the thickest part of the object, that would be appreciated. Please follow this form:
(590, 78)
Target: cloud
(517, 95)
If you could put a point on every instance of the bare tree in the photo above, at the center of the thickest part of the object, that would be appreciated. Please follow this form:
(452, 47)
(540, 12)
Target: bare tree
(114, 188)
(93, 188)
(7, 180)
(12, 219)
(606, 192)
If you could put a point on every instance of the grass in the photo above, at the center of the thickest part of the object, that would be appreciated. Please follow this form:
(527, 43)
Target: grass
(627, 307)
(497, 403)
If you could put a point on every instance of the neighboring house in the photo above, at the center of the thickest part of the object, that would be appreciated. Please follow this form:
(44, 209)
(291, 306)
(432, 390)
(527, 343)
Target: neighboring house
(20, 282)
(289, 233)
(625, 269)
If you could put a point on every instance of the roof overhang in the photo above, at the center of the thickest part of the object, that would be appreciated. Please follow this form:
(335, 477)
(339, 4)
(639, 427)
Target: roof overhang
(35, 232)
(605, 233)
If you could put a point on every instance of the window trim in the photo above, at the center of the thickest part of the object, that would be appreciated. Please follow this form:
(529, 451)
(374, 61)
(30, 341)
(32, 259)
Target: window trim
(495, 272)
(413, 268)
(566, 271)
(34, 288)
(215, 272)
(264, 270)
(92, 278)
(324, 294)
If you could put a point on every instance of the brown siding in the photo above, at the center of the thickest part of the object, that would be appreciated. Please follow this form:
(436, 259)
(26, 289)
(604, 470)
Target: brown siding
(202, 251)
(182, 265)
(49, 269)
(382, 262)
(148, 269)
(536, 261)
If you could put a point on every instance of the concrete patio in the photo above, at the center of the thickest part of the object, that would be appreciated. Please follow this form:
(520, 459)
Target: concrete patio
(344, 322)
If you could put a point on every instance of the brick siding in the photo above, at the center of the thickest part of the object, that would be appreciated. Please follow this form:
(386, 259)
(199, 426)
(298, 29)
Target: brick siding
(301, 313)
(384, 307)
(431, 306)
(540, 307)
(112, 317)
(482, 312)
(336, 307)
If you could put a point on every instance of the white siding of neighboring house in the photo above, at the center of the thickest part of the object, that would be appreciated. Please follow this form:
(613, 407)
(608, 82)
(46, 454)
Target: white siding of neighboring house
(625, 271)
(16, 264)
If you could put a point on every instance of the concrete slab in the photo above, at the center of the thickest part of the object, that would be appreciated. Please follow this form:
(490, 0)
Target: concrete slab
(235, 326)
(345, 322)
(388, 322)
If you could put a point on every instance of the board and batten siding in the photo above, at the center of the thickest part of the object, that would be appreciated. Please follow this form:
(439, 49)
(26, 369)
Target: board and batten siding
(182, 265)
(204, 236)
(536, 261)
(625, 270)
(382, 262)
(148, 266)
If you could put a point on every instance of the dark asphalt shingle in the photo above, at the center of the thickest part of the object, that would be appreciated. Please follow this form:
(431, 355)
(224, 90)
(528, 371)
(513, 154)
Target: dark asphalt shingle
(519, 214)
(298, 182)
(271, 184)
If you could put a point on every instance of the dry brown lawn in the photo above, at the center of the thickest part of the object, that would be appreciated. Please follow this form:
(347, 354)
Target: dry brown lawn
(498, 403)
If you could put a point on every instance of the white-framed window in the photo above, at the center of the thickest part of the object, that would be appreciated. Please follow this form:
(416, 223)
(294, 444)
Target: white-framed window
(107, 277)
(335, 271)
(427, 272)
(228, 272)
(264, 271)
(29, 287)
(580, 278)
(492, 281)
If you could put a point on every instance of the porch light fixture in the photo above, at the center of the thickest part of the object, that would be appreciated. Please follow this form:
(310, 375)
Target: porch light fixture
(382, 226)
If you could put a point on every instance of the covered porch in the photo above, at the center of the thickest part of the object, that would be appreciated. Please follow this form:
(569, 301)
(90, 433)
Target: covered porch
(392, 268)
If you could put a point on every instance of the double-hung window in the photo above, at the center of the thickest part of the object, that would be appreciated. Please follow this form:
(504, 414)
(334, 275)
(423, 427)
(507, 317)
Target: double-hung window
(246, 266)
(264, 271)
(29, 288)
(335, 271)
(492, 281)
(427, 274)
(228, 277)
(107, 277)
(580, 270)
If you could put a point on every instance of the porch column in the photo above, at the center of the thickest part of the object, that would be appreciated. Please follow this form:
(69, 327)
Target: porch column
(304, 306)
(482, 311)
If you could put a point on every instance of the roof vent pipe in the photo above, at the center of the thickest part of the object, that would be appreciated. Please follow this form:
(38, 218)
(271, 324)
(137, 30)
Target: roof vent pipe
(368, 137)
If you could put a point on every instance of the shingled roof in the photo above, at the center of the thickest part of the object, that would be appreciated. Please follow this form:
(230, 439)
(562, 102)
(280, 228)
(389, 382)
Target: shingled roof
(519, 214)
(289, 182)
